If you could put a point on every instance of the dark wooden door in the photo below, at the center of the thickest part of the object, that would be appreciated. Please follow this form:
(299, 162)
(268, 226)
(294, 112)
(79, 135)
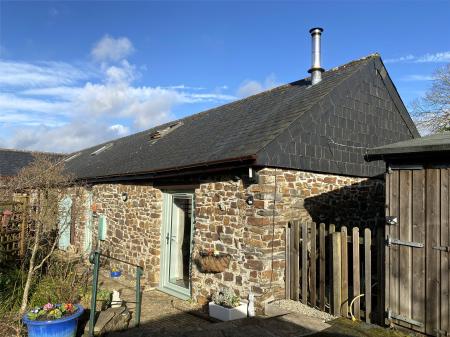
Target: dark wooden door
(417, 245)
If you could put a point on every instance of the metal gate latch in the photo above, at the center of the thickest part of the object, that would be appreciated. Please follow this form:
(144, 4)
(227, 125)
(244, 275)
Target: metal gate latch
(391, 220)
(442, 248)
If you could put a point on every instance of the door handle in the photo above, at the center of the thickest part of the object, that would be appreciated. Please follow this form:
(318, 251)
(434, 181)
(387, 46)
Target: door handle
(168, 237)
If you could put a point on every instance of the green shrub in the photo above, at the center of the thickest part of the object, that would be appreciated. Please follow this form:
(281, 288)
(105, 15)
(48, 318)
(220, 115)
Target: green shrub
(11, 289)
(103, 298)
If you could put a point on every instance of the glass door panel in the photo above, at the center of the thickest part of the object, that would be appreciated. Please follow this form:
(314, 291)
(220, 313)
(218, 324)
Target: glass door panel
(180, 241)
(176, 262)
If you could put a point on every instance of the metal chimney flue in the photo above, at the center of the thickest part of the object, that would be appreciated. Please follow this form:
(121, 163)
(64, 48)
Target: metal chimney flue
(316, 68)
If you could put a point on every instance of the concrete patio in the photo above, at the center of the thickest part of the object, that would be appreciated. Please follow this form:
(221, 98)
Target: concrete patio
(168, 316)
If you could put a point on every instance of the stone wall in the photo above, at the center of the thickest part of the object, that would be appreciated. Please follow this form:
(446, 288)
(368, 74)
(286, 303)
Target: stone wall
(133, 226)
(252, 234)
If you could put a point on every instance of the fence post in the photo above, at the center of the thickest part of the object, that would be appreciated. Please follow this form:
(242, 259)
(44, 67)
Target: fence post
(356, 280)
(322, 266)
(336, 270)
(367, 274)
(304, 263)
(95, 259)
(138, 296)
(312, 277)
(23, 226)
(287, 267)
(344, 273)
(296, 261)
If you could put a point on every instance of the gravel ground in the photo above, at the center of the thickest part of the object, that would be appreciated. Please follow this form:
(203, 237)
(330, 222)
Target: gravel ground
(299, 307)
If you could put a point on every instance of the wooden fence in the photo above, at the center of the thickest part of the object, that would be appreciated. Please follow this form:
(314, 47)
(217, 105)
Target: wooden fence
(329, 269)
(13, 227)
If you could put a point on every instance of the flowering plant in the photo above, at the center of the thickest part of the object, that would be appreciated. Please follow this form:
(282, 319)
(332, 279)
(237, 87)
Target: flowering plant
(226, 298)
(210, 252)
(51, 311)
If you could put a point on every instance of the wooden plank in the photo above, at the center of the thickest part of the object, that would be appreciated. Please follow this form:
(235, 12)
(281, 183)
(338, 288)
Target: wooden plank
(380, 288)
(356, 276)
(287, 268)
(344, 272)
(444, 279)
(291, 261)
(296, 261)
(405, 232)
(312, 275)
(432, 217)
(23, 226)
(448, 266)
(386, 260)
(331, 229)
(418, 255)
(367, 274)
(305, 263)
(336, 267)
(394, 292)
(322, 266)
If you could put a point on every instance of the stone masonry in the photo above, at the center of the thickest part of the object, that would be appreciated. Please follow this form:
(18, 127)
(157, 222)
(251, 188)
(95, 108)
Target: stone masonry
(133, 226)
(253, 235)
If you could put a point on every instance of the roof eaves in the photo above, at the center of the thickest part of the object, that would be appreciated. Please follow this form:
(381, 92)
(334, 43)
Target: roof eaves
(231, 162)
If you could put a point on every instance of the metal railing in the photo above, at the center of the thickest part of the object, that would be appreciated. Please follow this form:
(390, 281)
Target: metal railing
(94, 258)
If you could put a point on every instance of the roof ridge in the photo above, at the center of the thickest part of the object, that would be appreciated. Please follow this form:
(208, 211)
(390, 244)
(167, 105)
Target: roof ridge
(32, 151)
(238, 101)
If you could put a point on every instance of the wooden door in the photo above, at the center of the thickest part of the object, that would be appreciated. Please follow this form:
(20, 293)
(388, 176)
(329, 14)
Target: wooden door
(417, 245)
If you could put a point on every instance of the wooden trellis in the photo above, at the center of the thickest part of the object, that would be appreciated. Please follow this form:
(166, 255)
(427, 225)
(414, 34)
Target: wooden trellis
(13, 228)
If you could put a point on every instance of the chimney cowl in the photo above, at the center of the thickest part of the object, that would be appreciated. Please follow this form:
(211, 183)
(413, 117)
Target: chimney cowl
(316, 68)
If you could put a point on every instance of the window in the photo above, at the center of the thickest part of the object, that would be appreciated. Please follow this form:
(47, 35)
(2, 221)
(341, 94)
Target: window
(103, 148)
(72, 157)
(154, 136)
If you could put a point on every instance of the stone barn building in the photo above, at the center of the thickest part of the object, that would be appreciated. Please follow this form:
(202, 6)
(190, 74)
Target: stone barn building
(230, 178)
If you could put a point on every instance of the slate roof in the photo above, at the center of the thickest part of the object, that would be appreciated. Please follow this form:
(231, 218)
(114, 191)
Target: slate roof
(426, 145)
(231, 132)
(12, 161)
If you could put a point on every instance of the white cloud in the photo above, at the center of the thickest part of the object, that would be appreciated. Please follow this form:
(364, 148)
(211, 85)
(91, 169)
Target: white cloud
(435, 58)
(62, 107)
(22, 74)
(112, 49)
(252, 87)
(415, 78)
(120, 129)
(440, 57)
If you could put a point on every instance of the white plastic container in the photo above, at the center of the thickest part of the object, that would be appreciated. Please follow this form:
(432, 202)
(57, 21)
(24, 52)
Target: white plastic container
(227, 314)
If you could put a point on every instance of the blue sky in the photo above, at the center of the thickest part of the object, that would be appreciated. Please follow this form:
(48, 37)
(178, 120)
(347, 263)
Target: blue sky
(76, 73)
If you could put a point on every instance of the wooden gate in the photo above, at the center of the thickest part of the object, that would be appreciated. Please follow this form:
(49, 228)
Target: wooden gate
(417, 248)
(330, 268)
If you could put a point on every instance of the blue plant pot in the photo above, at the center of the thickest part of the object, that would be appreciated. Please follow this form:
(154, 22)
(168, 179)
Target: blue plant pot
(116, 273)
(63, 327)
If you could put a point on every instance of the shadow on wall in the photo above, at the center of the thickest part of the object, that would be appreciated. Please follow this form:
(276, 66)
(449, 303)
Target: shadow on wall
(356, 205)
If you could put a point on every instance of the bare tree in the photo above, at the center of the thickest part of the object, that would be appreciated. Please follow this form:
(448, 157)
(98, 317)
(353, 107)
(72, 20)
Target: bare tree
(433, 111)
(45, 182)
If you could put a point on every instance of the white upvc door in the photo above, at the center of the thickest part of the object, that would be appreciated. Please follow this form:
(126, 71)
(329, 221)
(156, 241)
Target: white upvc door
(176, 243)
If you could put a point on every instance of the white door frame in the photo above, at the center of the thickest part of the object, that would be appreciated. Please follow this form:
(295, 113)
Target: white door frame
(164, 284)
